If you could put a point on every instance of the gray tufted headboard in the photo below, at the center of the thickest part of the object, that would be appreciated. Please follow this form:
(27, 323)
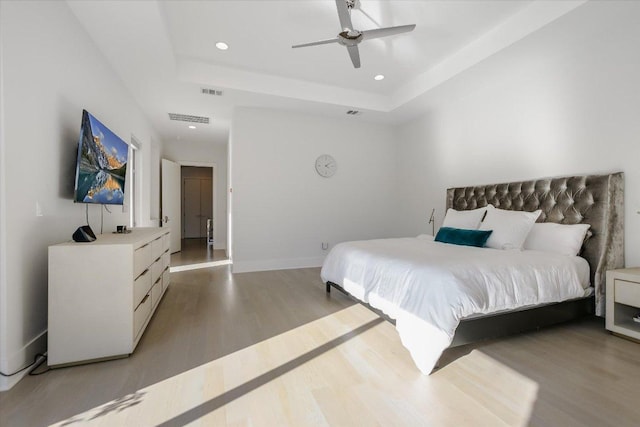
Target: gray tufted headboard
(589, 199)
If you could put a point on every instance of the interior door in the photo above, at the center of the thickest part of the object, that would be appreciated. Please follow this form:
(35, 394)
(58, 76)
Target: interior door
(171, 202)
(191, 200)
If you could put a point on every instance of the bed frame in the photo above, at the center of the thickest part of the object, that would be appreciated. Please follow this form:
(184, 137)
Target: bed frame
(585, 199)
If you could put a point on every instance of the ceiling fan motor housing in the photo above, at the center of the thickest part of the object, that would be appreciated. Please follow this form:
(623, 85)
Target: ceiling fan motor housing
(350, 38)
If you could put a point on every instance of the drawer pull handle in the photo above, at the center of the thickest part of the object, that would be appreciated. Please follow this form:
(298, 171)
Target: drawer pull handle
(146, 297)
(143, 246)
(144, 272)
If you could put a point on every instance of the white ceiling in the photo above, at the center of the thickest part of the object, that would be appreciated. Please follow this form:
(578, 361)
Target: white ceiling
(164, 52)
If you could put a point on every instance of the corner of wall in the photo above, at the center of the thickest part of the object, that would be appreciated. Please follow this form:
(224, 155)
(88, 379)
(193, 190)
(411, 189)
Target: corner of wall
(3, 275)
(34, 347)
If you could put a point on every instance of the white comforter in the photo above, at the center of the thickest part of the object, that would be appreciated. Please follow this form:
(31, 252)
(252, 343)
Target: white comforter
(427, 286)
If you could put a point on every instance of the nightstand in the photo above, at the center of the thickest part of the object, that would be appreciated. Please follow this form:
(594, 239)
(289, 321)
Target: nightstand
(623, 302)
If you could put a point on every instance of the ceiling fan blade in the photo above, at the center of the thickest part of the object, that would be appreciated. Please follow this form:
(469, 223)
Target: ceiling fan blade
(316, 43)
(388, 31)
(344, 15)
(355, 55)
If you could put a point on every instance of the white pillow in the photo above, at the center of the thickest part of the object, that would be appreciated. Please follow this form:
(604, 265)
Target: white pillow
(510, 228)
(469, 220)
(565, 239)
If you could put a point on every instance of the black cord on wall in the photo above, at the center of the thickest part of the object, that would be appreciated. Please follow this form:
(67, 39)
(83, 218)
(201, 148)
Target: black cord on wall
(33, 371)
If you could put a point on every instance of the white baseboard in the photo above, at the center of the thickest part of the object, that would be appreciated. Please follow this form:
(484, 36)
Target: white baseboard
(275, 264)
(23, 357)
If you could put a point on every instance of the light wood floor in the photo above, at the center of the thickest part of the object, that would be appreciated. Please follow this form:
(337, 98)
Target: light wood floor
(195, 251)
(272, 349)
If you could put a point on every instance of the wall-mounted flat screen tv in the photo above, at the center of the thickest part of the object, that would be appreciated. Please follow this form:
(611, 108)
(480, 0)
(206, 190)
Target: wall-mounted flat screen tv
(101, 167)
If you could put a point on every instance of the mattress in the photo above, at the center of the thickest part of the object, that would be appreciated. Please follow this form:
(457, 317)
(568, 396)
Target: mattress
(428, 286)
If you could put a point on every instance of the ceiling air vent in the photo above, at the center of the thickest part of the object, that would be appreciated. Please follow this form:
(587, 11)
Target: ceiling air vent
(354, 112)
(214, 92)
(188, 118)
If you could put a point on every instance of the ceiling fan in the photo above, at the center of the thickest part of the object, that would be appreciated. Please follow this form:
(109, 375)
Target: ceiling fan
(350, 37)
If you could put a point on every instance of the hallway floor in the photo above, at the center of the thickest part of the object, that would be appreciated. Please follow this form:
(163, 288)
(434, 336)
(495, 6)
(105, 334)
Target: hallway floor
(196, 251)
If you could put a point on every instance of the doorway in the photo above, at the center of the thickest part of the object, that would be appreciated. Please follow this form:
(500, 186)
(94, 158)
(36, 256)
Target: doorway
(193, 251)
(197, 221)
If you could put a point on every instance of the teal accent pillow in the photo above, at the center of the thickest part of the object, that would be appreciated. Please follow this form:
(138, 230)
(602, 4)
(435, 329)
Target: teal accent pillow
(461, 236)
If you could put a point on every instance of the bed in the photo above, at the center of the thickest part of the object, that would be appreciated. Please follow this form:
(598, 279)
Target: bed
(440, 296)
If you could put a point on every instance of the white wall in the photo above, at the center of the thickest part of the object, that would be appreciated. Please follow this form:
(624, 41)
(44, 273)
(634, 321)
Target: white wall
(283, 210)
(50, 71)
(4, 383)
(194, 154)
(564, 100)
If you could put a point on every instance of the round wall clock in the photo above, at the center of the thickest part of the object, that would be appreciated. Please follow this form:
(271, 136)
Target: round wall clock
(326, 165)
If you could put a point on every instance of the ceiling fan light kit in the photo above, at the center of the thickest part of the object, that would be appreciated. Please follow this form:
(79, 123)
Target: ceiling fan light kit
(350, 37)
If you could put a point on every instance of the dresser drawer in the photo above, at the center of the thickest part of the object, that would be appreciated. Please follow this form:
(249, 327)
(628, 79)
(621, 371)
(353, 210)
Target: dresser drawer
(141, 314)
(166, 259)
(156, 270)
(141, 259)
(166, 242)
(156, 249)
(627, 292)
(156, 292)
(141, 287)
(166, 278)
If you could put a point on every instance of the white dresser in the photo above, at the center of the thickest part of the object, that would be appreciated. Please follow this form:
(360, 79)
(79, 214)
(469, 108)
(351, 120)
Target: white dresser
(102, 294)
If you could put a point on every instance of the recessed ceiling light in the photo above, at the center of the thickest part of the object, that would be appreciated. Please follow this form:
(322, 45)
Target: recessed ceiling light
(378, 77)
(192, 127)
(222, 46)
